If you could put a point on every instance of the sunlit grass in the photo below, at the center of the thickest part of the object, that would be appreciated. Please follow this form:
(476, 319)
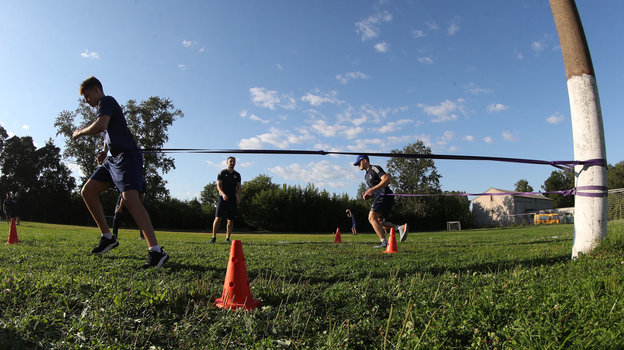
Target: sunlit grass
(495, 288)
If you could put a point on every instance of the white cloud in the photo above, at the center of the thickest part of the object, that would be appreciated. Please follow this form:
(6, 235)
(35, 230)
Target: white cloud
(555, 118)
(453, 27)
(425, 60)
(275, 137)
(26, 127)
(319, 98)
(201, 49)
(382, 47)
(289, 102)
(258, 119)
(394, 126)
(509, 136)
(469, 138)
(497, 107)
(445, 111)
(520, 56)
(346, 77)
(90, 55)
(473, 89)
(264, 98)
(432, 25)
(182, 66)
(418, 34)
(279, 67)
(537, 46)
(218, 165)
(445, 138)
(369, 28)
(322, 173)
(488, 139)
(187, 43)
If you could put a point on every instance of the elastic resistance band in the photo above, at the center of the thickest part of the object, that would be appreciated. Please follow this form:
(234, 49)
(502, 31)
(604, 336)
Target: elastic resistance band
(561, 164)
(577, 191)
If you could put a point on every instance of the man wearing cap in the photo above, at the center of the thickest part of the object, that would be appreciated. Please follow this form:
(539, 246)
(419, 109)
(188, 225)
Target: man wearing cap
(378, 181)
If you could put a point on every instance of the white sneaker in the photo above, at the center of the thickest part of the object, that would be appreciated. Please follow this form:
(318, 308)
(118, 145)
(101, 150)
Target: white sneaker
(383, 244)
(403, 232)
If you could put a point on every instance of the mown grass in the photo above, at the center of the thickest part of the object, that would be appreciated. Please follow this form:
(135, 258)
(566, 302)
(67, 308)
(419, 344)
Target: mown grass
(498, 288)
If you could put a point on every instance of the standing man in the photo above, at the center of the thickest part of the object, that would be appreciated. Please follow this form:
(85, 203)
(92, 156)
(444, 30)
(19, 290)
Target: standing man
(378, 181)
(123, 169)
(353, 222)
(229, 187)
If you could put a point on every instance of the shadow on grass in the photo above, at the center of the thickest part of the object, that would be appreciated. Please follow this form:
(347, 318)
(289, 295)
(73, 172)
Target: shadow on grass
(9, 339)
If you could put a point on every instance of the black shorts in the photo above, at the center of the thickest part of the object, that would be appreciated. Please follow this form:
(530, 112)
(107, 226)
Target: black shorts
(383, 205)
(124, 171)
(227, 209)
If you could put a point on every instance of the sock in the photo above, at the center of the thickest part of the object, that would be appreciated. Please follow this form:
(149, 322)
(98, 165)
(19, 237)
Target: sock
(107, 235)
(155, 248)
(117, 221)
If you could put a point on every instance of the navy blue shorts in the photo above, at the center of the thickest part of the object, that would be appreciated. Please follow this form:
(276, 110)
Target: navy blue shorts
(124, 171)
(383, 205)
(227, 209)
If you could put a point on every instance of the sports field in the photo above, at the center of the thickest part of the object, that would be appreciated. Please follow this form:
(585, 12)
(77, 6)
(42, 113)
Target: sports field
(496, 288)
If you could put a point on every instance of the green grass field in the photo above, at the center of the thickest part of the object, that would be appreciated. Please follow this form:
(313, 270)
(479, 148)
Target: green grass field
(491, 289)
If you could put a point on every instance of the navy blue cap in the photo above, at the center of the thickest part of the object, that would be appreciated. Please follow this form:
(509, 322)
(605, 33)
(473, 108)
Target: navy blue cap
(359, 159)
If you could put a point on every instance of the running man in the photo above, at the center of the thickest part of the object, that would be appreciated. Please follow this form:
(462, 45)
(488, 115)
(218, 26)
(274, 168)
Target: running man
(229, 187)
(378, 181)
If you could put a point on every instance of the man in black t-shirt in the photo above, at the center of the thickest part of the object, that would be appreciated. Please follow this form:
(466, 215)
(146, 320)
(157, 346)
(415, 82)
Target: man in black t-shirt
(229, 187)
(378, 181)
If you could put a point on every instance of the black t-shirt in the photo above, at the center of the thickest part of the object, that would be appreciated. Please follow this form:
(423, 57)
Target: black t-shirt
(118, 136)
(373, 177)
(229, 181)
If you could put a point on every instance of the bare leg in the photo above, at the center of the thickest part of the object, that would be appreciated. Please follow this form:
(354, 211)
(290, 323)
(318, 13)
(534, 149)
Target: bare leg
(140, 215)
(228, 232)
(375, 220)
(90, 193)
(215, 226)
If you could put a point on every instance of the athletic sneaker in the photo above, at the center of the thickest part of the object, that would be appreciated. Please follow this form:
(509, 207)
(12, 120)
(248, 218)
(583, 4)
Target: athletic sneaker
(155, 259)
(227, 240)
(403, 232)
(383, 244)
(213, 240)
(105, 245)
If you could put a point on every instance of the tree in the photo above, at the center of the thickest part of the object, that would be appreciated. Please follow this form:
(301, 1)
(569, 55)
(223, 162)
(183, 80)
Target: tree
(19, 166)
(615, 175)
(523, 186)
(560, 180)
(414, 175)
(148, 121)
(209, 195)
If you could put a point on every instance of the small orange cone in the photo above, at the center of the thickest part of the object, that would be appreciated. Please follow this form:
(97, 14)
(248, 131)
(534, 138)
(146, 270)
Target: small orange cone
(392, 246)
(337, 238)
(236, 291)
(13, 233)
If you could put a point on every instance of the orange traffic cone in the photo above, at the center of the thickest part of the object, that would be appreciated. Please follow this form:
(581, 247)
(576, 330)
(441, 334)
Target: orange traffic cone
(13, 233)
(337, 238)
(236, 291)
(392, 246)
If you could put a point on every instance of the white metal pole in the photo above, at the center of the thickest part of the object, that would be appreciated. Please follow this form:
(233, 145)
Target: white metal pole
(590, 213)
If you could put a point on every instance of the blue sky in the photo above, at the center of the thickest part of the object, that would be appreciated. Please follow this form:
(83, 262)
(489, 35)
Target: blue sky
(466, 77)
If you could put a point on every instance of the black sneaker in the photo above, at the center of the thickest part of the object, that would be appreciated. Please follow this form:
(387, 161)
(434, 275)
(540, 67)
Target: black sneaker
(105, 245)
(213, 240)
(155, 259)
(227, 240)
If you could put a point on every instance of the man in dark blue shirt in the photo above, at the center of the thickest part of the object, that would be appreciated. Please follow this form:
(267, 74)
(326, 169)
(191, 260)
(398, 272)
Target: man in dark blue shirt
(123, 169)
(229, 187)
(378, 181)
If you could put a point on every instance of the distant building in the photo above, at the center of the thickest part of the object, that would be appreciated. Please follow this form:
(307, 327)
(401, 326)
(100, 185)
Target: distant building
(506, 210)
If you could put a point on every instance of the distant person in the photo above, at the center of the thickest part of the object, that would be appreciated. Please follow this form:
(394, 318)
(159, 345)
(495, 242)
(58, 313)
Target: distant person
(123, 169)
(119, 215)
(16, 207)
(353, 222)
(7, 207)
(378, 181)
(229, 187)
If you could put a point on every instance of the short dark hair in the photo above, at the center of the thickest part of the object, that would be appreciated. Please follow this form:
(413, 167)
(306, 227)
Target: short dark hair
(89, 83)
(228, 158)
